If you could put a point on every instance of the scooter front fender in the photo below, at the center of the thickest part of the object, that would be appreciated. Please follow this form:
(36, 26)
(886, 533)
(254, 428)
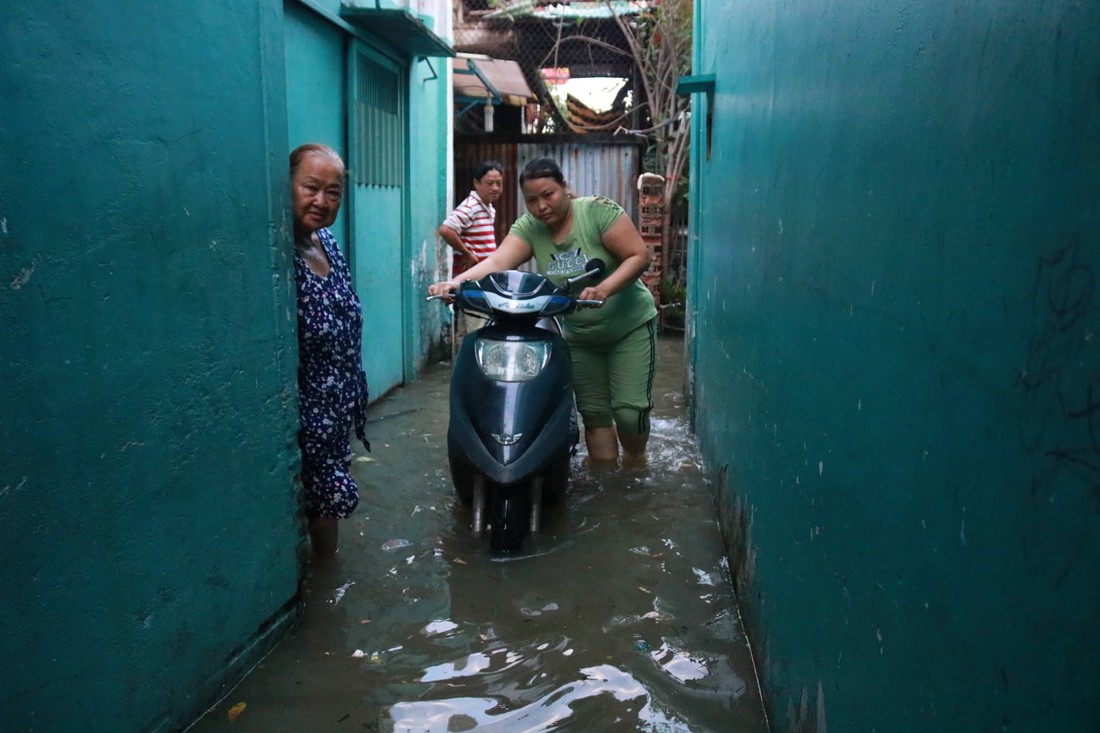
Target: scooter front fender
(556, 436)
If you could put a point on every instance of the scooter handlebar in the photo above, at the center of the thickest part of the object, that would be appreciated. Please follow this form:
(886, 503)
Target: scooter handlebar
(450, 296)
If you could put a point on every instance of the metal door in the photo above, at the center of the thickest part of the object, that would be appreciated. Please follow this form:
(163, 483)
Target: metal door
(376, 140)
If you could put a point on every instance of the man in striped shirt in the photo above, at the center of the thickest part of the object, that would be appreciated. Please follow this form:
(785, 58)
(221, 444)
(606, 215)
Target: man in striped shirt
(469, 229)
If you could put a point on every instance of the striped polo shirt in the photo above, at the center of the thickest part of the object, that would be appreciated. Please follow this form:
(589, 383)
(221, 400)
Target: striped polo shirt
(473, 220)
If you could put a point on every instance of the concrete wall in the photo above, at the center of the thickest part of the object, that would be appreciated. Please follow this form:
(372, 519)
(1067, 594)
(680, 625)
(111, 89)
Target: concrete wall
(897, 354)
(148, 408)
(429, 161)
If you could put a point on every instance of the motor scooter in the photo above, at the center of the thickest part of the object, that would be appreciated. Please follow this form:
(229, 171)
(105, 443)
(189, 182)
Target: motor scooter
(513, 420)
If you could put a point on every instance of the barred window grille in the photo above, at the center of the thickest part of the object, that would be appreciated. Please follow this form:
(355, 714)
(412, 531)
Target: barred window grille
(379, 123)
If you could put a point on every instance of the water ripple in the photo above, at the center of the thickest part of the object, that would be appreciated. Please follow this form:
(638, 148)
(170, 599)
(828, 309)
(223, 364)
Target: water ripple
(552, 712)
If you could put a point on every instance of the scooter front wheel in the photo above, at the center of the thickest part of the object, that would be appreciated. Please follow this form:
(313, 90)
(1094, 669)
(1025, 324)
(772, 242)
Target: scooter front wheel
(478, 500)
(508, 520)
(463, 475)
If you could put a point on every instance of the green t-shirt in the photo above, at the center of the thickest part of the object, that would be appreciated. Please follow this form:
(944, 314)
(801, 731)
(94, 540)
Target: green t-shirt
(624, 311)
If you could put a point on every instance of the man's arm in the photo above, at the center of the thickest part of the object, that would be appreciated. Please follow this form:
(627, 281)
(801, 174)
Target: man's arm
(467, 259)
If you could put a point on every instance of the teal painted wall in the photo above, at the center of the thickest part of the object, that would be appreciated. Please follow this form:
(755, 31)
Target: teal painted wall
(397, 226)
(429, 160)
(896, 358)
(147, 437)
(316, 88)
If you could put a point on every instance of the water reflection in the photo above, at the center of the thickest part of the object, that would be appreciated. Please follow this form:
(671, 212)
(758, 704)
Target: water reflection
(679, 664)
(619, 616)
(471, 665)
(606, 622)
(551, 712)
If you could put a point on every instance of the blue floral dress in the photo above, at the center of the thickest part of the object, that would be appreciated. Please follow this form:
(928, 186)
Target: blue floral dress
(332, 386)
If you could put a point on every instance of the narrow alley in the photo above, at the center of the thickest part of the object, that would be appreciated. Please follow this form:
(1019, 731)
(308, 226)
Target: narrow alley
(620, 616)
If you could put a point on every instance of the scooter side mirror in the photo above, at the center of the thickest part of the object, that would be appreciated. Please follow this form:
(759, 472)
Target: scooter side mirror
(592, 270)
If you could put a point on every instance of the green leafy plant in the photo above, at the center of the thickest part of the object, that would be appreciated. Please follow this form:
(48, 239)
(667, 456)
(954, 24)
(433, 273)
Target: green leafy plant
(672, 292)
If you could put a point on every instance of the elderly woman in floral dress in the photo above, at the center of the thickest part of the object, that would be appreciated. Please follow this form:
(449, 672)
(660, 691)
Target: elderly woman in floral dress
(331, 384)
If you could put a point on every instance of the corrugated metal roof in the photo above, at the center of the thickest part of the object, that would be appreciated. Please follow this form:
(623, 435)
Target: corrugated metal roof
(505, 79)
(589, 169)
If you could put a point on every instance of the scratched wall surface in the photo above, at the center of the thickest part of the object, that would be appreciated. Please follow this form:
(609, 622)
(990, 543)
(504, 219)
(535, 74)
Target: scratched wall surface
(897, 355)
(429, 95)
(148, 400)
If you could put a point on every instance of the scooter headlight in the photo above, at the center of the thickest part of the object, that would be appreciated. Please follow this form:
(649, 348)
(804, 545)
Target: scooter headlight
(512, 361)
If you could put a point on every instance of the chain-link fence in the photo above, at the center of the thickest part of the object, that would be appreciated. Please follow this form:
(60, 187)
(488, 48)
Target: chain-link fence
(553, 43)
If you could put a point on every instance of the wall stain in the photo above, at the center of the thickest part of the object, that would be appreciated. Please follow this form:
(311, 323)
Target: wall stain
(1060, 379)
(24, 275)
(4, 491)
(735, 521)
(802, 720)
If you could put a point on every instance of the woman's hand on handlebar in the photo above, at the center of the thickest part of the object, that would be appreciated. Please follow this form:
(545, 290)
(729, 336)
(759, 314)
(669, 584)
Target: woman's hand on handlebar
(444, 289)
(594, 292)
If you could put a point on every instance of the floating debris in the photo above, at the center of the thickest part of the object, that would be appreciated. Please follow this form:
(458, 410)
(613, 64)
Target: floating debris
(440, 626)
(236, 710)
(338, 594)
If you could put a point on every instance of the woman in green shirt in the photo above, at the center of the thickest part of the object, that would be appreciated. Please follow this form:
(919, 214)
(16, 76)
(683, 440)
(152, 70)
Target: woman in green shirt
(613, 347)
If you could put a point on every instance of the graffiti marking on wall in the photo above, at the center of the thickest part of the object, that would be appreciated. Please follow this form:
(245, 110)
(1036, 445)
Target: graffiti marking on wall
(1060, 378)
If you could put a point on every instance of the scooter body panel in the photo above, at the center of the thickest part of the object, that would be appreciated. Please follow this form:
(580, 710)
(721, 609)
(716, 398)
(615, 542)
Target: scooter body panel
(509, 442)
(511, 431)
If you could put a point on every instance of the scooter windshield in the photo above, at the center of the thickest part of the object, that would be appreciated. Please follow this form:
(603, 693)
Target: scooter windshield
(514, 293)
(519, 283)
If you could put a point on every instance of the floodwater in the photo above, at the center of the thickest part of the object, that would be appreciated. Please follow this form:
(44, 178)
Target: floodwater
(619, 616)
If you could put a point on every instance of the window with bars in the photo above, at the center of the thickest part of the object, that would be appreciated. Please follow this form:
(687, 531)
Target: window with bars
(379, 141)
